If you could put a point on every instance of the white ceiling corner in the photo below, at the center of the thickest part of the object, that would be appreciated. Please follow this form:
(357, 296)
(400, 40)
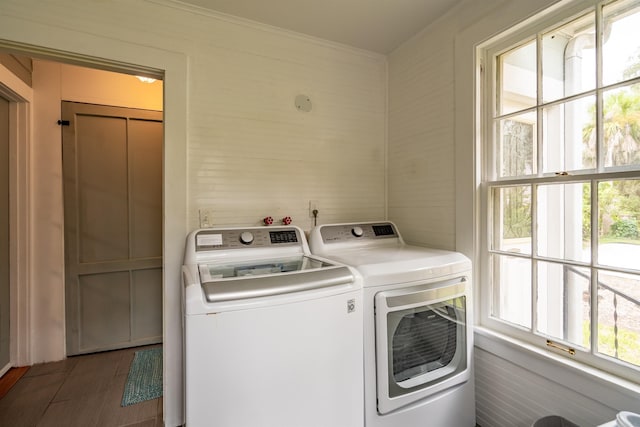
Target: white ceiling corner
(374, 25)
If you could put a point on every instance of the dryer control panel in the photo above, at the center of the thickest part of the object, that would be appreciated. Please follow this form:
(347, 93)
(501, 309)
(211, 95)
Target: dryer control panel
(357, 231)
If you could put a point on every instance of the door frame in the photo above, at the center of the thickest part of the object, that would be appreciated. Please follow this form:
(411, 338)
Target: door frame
(20, 96)
(105, 52)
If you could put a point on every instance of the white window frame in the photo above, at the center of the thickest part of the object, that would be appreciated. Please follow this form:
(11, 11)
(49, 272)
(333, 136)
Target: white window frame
(487, 53)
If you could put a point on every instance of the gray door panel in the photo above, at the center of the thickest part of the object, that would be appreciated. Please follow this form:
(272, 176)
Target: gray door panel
(112, 166)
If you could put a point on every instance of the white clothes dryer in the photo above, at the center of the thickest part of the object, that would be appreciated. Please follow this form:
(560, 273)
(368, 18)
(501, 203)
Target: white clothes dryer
(418, 335)
(272, 335)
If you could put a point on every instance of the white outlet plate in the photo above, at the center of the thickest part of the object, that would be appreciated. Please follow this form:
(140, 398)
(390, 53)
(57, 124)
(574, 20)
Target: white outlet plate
(206, 217)
(313, 205)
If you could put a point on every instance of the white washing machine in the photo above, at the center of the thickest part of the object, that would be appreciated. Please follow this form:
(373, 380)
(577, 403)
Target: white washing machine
(624, 419)
(272, 335)
(418, 335)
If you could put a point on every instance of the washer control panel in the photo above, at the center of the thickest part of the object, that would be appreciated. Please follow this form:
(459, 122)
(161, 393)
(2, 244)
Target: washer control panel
(214, 239)
(353, 232)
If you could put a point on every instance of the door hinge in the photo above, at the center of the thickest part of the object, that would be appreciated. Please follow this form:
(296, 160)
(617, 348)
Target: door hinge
(64, 122)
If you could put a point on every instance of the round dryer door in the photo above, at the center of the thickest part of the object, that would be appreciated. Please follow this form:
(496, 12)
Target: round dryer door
(421, 342)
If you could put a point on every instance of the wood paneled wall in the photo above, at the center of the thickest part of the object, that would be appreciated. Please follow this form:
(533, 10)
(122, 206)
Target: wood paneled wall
(253, 154)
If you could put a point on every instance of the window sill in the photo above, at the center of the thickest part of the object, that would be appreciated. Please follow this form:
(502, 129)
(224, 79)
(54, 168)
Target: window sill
(615, 392)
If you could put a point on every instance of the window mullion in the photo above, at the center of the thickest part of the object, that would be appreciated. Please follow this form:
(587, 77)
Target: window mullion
(538, 172)
(539, 118)
(593, 335)
(491, 76)
(594, 274)
(599, 93)
(534, 273)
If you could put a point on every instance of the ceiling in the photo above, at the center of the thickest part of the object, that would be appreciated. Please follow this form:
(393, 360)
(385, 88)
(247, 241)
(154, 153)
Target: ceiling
(374, 25)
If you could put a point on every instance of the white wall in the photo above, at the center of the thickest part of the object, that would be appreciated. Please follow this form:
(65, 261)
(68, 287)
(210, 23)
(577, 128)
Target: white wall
(509, 395)
(253, 154)
(234, 141)
(81, 84)
(422, 129)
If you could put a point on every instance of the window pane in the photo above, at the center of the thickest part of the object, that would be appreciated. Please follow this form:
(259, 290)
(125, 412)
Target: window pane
(512, 219)
(517, 139)
(621, 41)
(622, 126)
(568, 59)
(564, 221)
(512, 290)
(517, 79)
(563, 303)
(618, 223)
(569, 141)
(619, 316)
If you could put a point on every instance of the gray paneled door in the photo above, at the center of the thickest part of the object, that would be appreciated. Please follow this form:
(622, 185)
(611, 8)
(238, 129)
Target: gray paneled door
(112, 166)
(5, 355)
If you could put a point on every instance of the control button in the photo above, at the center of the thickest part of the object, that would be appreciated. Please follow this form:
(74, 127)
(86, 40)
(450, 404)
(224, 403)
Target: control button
(246, 238)
(357, 231)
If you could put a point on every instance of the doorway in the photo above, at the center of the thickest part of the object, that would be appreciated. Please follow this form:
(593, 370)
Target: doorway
(40, 335)
(39, 315)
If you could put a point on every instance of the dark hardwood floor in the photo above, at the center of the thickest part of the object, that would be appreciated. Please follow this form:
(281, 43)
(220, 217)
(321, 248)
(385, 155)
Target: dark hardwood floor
(81, 391)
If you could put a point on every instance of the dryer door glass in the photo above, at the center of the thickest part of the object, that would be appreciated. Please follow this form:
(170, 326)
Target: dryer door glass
(425, 344)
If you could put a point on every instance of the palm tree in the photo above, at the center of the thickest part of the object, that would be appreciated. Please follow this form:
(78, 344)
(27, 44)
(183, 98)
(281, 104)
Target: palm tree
(621, 122)
(621, 129)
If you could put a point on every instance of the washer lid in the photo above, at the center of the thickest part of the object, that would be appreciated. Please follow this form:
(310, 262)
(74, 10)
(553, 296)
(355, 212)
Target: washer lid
(261, 267)
(267, 277)
(628, 419)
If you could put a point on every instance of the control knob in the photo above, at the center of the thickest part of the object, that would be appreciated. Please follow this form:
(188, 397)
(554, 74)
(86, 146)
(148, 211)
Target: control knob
(357, 231)
(246, 238)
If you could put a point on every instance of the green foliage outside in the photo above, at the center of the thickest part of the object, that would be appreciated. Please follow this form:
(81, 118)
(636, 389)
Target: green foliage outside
(516, 201)
(618, 201)
(618, 209)
(517, 212)
(628, 349)
(625, 228)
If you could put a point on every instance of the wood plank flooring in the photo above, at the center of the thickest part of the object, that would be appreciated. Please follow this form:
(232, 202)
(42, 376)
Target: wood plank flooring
(10, 378)
(83, 391)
